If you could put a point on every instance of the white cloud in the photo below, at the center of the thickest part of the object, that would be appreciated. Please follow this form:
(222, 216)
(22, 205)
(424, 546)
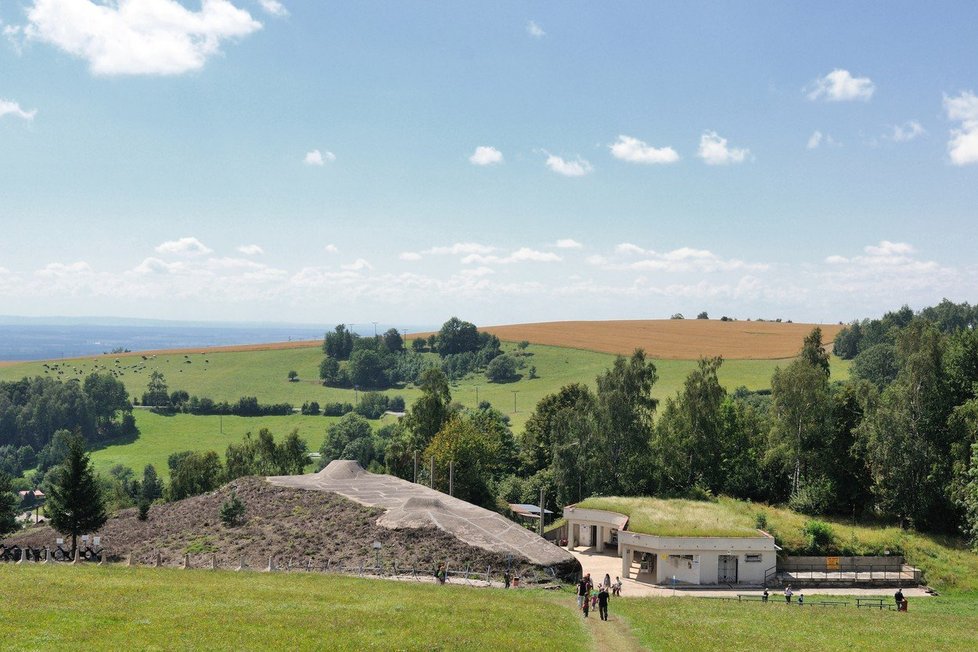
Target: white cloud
(409, 255)
(568, 243)
(907, 131)
(274, 7)
(251, 250)
(840, 86)
(485, 155)
(8, 107)
(184, 247)
(963, 146)
(535, 30)
(634, 150)
(138, 37)
(357, 265)
(818, 138)
(889, 250)
(315, 157)
(521, 255)
(576, 168)
(62, 269)
(836, 260)
(629, 248)
(714, 151)
(460, 248)
(330, 249)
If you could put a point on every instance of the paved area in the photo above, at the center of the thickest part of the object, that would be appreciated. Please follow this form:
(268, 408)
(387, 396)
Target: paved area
(412, 505)
(608, 562)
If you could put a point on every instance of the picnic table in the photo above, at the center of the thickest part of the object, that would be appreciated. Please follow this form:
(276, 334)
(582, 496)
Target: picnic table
(873, 603)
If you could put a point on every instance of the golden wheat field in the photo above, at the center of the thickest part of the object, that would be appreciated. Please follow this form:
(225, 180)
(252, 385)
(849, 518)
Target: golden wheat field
(672, 339)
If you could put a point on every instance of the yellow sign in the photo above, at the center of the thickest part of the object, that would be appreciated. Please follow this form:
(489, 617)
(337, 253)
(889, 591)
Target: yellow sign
(832, 563)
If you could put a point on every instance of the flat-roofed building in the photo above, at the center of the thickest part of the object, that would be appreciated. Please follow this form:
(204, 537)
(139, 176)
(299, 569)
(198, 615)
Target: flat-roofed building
(710, 560)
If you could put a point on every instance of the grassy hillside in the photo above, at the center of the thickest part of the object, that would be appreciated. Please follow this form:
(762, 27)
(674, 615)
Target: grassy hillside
(143, 608)
(263, 373)
(946, 561)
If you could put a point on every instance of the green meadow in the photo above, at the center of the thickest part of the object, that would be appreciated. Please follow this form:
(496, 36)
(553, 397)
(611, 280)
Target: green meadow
(114, 607)
(943, 623)
(117, 608)
(264, 374)
(227, 376)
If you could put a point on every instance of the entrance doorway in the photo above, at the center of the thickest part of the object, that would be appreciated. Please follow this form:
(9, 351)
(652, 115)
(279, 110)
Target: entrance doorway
(727, 569)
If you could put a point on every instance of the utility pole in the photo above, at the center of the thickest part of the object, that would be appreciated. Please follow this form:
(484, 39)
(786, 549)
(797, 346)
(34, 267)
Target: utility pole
(451, 478)
(514, 401)
(542, 512)
(431, 479)
(477, 396)
(415, 467)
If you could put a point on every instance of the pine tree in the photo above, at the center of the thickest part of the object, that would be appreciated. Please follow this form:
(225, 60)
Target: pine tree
(75, 505)
(8, 506)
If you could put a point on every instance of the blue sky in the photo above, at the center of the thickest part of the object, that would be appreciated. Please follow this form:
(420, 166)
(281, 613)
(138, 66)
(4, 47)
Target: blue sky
(505, 162)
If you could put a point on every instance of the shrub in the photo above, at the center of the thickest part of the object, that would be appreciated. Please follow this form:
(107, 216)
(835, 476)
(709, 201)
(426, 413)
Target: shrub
(501, 369)
(533, 372)
(818, 536)
(760, 521)
(337, 409)
(232, 511)
(813, 498)
(372, 405)
(311, 407)
(143, 509)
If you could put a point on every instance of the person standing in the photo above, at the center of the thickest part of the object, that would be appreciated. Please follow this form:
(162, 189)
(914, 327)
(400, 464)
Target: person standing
(607, 580)
(787, 594)
(616, 587)
(764, 595)
(898, 596)
(581, 592)
(603, 602)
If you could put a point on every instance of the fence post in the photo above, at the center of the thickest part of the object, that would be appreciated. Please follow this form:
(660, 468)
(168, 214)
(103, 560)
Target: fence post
(186, 561)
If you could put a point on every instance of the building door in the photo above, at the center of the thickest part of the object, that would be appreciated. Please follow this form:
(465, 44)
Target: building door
(727, 569)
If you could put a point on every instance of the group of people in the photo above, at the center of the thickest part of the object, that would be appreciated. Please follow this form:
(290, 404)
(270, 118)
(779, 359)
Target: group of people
(590, 596)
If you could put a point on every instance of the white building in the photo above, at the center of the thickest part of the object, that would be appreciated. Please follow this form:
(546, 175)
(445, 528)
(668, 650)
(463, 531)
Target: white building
(670, 559)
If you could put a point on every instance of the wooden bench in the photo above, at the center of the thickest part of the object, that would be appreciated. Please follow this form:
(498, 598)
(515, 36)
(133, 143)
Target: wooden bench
(830, 603)
(750, 597)
(872, 603)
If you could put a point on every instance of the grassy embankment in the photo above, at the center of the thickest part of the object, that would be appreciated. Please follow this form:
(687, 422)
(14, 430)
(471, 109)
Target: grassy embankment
(113, 608)
(946, 562)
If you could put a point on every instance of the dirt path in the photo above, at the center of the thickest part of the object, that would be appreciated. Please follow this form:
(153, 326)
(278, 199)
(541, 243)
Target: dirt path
(612, 634)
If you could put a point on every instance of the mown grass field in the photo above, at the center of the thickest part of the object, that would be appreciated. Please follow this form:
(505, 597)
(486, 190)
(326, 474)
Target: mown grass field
(943, 623)
(162, 435)
(113, 608)
(946, 561)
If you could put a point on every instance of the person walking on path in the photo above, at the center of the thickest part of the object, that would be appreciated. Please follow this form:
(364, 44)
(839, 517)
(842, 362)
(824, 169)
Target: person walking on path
(603, 602)
(787, 594)
(607, 581)
(616, 587)
(582, 592)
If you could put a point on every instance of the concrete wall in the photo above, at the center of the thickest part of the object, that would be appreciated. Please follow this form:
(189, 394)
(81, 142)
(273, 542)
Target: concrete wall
(819, 564)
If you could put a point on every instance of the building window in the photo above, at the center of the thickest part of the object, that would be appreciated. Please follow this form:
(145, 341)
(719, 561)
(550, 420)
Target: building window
(752, 558)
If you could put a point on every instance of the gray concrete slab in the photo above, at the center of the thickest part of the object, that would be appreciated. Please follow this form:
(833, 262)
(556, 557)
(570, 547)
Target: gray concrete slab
(410, 505)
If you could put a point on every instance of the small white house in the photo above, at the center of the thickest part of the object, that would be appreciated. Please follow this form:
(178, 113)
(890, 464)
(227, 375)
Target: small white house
(674, 559)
